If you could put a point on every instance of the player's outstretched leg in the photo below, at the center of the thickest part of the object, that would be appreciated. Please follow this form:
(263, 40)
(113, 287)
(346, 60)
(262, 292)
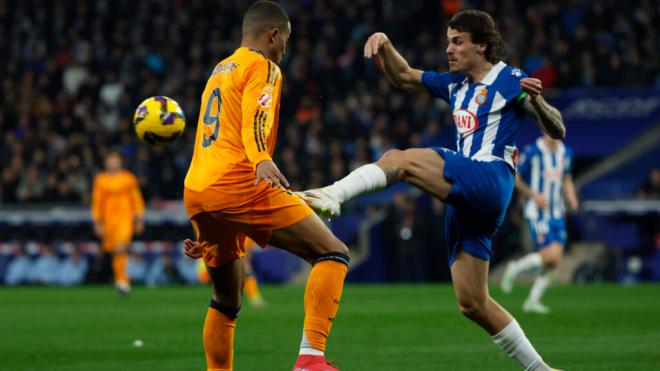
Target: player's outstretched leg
(470, 276)
(421, 167)
(528, 264)
(221, 316)
(313, 241)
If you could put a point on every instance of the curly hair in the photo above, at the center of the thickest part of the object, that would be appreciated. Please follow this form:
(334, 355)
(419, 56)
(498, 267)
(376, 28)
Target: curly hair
(482, 29)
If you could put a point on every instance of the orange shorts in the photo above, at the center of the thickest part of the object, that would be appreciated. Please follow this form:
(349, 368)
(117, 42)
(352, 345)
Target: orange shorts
(116, 234)
(222, 232)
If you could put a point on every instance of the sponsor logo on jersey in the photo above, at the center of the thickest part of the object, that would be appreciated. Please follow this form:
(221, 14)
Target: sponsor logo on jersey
(264, 100)
(516, 72)
(466, 121)
(482, 97)
(225, 67)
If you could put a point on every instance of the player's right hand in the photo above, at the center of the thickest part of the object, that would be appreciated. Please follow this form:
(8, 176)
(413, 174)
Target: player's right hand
(98, 230)
(268, 172)
(373, 44)
(540, 201)
(192, 248)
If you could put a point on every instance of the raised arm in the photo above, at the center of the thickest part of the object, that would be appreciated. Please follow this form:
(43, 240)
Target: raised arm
(547, 117)
(396, 68)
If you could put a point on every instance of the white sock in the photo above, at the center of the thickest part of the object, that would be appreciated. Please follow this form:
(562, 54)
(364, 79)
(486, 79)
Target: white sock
(365, 179)
(530, 263)
(306, 347)
(540, 284)
(514, 343)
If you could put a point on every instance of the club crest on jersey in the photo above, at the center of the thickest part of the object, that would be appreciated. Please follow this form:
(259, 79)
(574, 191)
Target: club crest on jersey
(466, 121)
(264, 100)
(482, 97)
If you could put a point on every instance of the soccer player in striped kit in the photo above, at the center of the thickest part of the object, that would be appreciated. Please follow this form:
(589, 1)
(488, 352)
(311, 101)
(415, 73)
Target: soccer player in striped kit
(489, 100)
(544, 178)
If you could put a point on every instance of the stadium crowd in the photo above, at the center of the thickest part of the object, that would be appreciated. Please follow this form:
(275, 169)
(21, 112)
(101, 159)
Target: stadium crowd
(72, 76)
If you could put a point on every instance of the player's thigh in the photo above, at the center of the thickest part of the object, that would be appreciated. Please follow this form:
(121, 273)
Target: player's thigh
(552, 254)
(422, 167)
(470, 278)
(220, 241)
(308, 238)
(227, 280)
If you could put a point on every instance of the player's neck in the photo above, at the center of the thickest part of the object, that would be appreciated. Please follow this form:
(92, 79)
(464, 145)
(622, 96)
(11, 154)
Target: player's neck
(254, 44)
(479, 71)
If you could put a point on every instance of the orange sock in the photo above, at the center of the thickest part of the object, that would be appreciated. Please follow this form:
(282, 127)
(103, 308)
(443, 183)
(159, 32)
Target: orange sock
(322, 295)
(251, 287)
(219, 340)
(119, 268)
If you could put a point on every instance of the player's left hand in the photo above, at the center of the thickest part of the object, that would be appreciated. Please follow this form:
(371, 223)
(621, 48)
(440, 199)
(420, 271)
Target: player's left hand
(531, 86)
(192, 248)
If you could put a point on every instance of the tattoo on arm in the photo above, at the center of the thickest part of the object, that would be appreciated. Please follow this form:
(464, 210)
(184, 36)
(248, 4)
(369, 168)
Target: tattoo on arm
(546, 116)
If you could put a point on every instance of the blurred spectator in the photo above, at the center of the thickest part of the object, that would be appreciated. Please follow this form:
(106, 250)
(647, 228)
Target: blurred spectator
(73, 269)
(46, 267)
(187, 269)
(163, 271)
(137, 268)
(73, 73)
(18, 270)
(651, 188)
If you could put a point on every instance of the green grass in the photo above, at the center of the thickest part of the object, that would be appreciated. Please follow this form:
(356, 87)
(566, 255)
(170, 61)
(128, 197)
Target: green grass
(595, 327)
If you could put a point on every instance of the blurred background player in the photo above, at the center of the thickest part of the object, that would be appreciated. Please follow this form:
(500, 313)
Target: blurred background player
(233, 189)
(544, 179)
(489, 100)
(251, 287)
(118, 213)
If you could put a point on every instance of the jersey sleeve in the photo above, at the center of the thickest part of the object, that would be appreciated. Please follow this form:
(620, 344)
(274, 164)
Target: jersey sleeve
(97, 200)
(136, 197)
(259, 108)
(568, 161)
(437, 83)
(511, 89)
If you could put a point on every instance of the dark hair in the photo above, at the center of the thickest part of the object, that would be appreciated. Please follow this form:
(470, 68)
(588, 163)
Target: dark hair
(263, 15)
(482, 29)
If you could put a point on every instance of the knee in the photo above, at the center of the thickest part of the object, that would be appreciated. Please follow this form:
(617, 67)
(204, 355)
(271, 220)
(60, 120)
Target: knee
(391, 159)
(232, 300)
(472, 308)
(552, 262)
(552, 259)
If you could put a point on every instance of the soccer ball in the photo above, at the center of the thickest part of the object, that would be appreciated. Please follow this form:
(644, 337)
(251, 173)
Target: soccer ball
(159, 120)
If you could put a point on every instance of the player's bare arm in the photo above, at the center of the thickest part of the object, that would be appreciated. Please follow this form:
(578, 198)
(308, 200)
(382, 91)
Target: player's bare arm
(546, 116)
(569, 193)
(396, 68)
(525, 189)
(268, 172)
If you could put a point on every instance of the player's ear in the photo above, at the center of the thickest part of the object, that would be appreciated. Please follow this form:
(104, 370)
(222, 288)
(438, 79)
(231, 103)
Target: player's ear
(481, 48)
(273, 34)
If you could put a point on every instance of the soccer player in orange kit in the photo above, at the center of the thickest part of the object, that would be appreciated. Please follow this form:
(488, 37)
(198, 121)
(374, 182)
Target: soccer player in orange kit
(117, 212)
(234, 190)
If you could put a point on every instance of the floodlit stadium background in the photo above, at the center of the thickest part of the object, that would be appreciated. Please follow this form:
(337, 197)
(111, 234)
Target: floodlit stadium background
(73, 73)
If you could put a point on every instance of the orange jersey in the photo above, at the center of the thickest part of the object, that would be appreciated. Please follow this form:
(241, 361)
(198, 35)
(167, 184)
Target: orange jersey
(237, 125)
(116, 198)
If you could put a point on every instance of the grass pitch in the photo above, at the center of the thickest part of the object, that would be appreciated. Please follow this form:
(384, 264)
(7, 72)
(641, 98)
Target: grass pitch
(593, 327)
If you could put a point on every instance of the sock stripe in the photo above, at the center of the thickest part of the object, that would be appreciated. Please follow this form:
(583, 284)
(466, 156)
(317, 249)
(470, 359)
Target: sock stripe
(333, 256)
(229, 312)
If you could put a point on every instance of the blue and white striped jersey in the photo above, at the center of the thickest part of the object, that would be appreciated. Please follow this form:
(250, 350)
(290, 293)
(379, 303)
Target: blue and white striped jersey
(487, 114)
(543, 169)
